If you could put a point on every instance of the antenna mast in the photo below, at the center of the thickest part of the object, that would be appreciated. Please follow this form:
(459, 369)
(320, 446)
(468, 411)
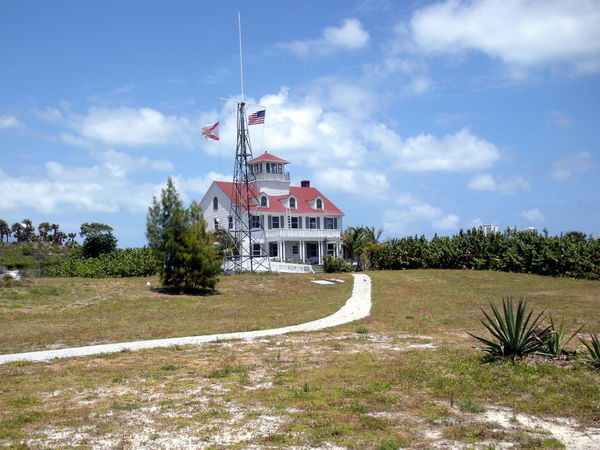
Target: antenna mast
(247, 230)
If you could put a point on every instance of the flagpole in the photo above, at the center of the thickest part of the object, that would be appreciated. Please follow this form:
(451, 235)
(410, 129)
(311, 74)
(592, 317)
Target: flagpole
(241, 60)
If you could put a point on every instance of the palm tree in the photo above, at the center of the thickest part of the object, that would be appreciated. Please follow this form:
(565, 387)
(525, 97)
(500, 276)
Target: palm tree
(28, 229)
(4, 230)
(43, 229)
(59, 237)
(54, 227)
(72, 237)
(354, 241)
(17, 231)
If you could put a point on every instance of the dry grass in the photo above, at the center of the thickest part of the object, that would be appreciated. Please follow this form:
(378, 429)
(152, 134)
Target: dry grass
(48, 313)
(384, 382)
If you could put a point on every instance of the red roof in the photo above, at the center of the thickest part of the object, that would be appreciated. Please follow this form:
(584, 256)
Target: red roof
(303, 196)
(268, 157)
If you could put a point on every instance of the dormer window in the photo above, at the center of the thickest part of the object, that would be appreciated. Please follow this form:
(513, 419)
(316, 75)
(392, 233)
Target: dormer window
(319, 204)
(292, 203)
(264, 201)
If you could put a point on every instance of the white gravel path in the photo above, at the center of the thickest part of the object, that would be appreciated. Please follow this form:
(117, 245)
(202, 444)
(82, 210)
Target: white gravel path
(357, 307)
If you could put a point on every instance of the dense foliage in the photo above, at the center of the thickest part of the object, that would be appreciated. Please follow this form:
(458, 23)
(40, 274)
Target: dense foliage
(335, 265)
(31, 258)
(571, 255)
(178, 237)
(98, 239)
(130, 262)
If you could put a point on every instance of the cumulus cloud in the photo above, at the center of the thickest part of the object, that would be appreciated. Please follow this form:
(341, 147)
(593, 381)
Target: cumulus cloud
(458, 152)
(522, 34)
(568, 165)
(349, 36)
(101, 188)
(365, 183)
(134, 127)
(533, 215)
(404, 220)
(487, 182)
(9, 122)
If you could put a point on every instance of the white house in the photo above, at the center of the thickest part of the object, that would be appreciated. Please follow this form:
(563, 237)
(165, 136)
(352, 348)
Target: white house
(300, 223)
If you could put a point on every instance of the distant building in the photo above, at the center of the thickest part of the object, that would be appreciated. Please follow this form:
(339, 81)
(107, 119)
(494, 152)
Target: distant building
(300, 223)
(489, 229)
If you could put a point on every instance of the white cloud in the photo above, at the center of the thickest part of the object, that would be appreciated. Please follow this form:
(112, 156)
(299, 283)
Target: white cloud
(349, 36)
(132, 127)
(405, 220)
(533, 215)
(487, 182)
(459, 152)
(101, 188)
(567, 165)
(9, 122)
(521, 33)
(364, 183)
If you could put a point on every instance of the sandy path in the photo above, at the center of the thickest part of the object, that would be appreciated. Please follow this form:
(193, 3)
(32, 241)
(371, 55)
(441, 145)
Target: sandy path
(357, 307)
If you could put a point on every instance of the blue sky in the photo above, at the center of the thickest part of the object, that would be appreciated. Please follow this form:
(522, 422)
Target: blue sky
(418, 117)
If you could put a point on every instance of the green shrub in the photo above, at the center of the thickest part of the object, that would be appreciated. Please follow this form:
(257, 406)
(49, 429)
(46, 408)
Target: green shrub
(593, 348)
(131, 262)
(515, 333)
(335, 265)
(554, 341)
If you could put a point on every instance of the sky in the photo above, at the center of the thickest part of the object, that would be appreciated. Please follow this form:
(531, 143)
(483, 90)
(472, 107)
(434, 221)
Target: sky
(417, 117)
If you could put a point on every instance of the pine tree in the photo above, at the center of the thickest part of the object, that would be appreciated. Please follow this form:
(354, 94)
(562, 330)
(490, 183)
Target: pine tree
(178, 237)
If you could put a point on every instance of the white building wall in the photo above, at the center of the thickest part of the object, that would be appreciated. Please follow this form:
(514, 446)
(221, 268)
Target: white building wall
(222, 213)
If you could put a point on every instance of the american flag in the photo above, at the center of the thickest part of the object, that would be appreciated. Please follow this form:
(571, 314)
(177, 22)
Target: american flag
(256, 118)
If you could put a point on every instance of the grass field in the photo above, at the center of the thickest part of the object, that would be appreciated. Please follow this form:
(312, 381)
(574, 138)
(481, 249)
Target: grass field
(407, 376)
(48, 313)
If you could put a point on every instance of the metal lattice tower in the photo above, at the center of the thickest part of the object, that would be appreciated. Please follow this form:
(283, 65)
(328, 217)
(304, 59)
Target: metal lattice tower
(249, 254)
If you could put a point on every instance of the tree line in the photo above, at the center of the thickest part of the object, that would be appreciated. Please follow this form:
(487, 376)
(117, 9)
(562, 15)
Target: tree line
(572, 254)
(25, 231)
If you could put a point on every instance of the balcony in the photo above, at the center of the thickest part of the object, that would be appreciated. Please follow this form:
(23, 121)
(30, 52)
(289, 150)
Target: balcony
(294, 234)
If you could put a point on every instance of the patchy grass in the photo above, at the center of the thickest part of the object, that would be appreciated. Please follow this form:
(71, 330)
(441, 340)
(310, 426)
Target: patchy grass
(395, 386)
(48, 313)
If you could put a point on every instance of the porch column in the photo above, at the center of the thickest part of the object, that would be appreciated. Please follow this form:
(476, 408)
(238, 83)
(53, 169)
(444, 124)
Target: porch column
(320, 252)
(302, 244)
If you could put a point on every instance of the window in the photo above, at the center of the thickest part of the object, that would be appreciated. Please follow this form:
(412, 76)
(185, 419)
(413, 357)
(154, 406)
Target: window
(312, 223)
(264, 201)
(330, 223)
(254, 221)
(312, 250)
(319, 203)
(268, 167)
(295, 222)
(273, 249)
(230, 222)
(295, 249)
(216, 223)
(256, 251)
(279, 168)
(275, 222)
(331, 249)
(215, 204)
(292, 203)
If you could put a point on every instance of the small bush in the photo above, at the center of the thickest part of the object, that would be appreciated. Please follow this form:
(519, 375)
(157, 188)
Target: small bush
(336, 265)
(554, 341)
(514, 333)
(593, 348)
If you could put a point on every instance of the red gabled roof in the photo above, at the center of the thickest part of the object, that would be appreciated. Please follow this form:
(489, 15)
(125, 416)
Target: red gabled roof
(268, 157)
(303, 195)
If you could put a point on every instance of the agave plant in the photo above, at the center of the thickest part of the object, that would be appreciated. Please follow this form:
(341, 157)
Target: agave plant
(593, 349)
(554, 340)
(515, 333)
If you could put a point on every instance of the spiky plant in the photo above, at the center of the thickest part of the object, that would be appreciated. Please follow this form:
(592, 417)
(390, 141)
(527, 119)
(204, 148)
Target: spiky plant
(593, 349)
(554, 340)
(514, 332)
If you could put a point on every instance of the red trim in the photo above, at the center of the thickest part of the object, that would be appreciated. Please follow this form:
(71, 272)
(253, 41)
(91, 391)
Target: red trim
(268, 157)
